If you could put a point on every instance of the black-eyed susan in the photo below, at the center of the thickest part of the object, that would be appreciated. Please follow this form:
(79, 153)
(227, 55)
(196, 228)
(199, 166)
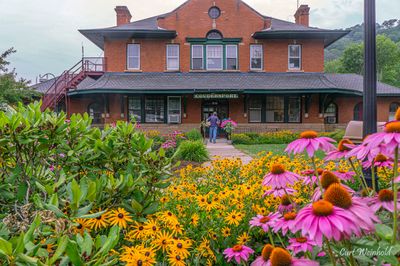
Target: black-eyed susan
(226, 232)
(99, 222)
(234, 218)
(162, 241)
(243, 239)
(176, 260)
(195, 219)
(137, 231)
(81, 226)
(119, 217)
(180, 247)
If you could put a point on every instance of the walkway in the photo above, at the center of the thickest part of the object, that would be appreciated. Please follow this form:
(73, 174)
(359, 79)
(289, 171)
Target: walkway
(224, 150)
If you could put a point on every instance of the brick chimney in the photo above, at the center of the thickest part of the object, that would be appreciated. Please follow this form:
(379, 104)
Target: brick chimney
(302, 15)
(123, 15)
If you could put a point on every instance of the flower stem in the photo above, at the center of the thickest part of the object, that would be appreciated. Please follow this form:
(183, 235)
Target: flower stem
(280, 239)
(373, 176)
(316, 174)
(395, 174)
(270, 238)
(330, 253)
(364, 186)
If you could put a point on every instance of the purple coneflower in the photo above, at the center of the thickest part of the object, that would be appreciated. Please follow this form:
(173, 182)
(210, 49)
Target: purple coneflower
(390, 137)
(279, 177)
(343, 148)
(310, 142)
(321, 219)
(364, 150)
(380, 160)
(265, 222)
(263, 260)
(311, 178)
(286, 205)
(285, 223)
(385, 200)
(281, 257)
(345, 175)
(279, 192)
(239, 253)
(301, 244)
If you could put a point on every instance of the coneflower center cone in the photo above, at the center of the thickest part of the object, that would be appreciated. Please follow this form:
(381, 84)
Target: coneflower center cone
(322, 208)
(237, 248)
(393, 127)
(266, 252)
(342, 145)
(338, 196)
(280, 257)
(277, 169)
(310, 134)
(301, 240)
(386, 195)
(328, 178)
(380, 158)
(285, 201)
(289, 216)
(265, 219)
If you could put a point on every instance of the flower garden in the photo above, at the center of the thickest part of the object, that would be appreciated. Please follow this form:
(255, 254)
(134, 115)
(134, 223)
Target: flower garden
(71, 194)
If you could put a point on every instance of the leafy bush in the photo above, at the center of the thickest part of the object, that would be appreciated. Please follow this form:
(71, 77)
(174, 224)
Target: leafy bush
(241, 139)
(193, 134)
(194, 151)
(336, 135)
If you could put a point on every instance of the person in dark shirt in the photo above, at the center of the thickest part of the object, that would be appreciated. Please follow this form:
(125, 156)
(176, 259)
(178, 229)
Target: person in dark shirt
(214, 122)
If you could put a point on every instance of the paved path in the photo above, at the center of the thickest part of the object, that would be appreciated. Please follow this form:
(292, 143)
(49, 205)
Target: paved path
(224, 150)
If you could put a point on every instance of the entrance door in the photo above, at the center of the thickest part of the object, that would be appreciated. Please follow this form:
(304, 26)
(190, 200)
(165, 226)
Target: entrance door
(219, 106)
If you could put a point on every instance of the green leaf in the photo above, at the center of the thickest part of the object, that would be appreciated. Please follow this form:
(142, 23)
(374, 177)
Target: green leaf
(54, 200)
(87, 245)
(384, 231)
(75, 194)
(84, 210)
(162, 185)
(92, 215)
(73, 253)
(152, 208)
(111, 241)
(62, 245)
(21, 192)
(27, 259)
(5, 247)
(136, 206)
(29, 234)
(56, 210)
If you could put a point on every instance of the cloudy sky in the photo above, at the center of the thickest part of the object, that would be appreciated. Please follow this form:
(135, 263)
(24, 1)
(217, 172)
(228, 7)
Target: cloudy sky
(44, 32)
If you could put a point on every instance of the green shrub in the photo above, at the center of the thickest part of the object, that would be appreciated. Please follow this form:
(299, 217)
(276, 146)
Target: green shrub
(193, 134)
(193, 151)
(336, 135)
(241, 139)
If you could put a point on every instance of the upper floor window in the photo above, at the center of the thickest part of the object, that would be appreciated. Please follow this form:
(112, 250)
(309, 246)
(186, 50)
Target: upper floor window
(214, 35)
(214, 57)
(197, 57)
(133, 56)
(172, 57)
(294, 57)
(214, 12)
(256, 57)
(231, 57)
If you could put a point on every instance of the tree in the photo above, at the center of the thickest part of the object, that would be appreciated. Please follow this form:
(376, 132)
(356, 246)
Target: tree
(13, 90)
(353, 59)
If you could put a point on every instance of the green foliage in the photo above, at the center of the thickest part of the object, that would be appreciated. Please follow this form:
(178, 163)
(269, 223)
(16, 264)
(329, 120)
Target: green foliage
(12, 90)
(193, 134)
(193, 151)
(64, 170)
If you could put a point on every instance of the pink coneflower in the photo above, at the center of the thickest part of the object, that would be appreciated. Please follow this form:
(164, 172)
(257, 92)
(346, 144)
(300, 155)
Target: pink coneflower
(263, 260)
(286, 205)
(285, 223)
(364, 150)
(363, 215)
(397, 180)
(345, 175)
(316, 196)
(265, 222)
(344, 147)
(310, 177)
(52, 168)
(238, 252)
(390, 137)
(310, 142)
(301, 244)
(281, 257)
(279, 177)
(279, 192)
(321, 219)
(380, 160)
(385, 200)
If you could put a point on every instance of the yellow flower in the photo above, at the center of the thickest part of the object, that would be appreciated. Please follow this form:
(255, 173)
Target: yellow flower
(195, 219)
(234, 218)
(176, 260)
(82, 225)
(180, 247)
(119, 217)
(162, 241)
(243, 238)
(98, 222)
(226, 231)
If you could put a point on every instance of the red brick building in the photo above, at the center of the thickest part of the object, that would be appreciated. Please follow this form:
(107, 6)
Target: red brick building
(171, 71)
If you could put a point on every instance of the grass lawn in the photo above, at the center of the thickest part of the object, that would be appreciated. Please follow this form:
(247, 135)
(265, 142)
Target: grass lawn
(277, 149)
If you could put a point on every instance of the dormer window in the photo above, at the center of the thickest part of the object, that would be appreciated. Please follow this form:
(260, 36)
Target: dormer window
(214, 35)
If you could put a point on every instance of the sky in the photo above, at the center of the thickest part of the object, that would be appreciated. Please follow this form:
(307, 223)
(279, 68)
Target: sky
(45, 32)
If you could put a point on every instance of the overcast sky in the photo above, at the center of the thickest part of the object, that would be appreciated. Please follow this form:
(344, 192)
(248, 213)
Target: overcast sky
(44, 32)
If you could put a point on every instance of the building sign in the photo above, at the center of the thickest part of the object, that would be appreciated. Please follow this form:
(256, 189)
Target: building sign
(216, 96)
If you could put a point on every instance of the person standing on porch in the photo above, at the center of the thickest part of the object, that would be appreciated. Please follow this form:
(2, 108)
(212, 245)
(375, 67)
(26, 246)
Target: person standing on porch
(214, 122)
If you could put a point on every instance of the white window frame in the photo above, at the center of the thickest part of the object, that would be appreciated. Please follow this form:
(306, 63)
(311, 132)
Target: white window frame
(202, 56)
(295, 57)
(251, 57)
(128, 55)
(222, 56)
(173, 57)
(180, 108)
(226, 56)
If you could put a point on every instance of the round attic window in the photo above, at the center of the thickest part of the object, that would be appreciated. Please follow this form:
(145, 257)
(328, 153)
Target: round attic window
(214, 12)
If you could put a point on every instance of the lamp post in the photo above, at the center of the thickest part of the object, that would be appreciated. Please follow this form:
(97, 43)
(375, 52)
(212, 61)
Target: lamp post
(370, 78)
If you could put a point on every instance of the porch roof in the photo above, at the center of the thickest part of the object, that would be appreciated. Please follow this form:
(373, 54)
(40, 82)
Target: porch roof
(240, 82)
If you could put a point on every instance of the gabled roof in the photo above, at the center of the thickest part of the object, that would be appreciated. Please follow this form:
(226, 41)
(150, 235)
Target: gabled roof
(242, 82)
(149, 28)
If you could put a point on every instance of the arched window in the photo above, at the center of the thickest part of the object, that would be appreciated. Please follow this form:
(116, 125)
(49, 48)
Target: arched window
(95, 112)
(331, 113)
(358, 112)
(392, 110)
(214, 35)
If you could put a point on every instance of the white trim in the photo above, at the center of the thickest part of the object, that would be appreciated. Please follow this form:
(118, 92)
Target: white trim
(180, 109)
(222, 56)
(132, 56)
(262, 57)
(173, 57)
(202, 56)
(226, 56)
(295, 57)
